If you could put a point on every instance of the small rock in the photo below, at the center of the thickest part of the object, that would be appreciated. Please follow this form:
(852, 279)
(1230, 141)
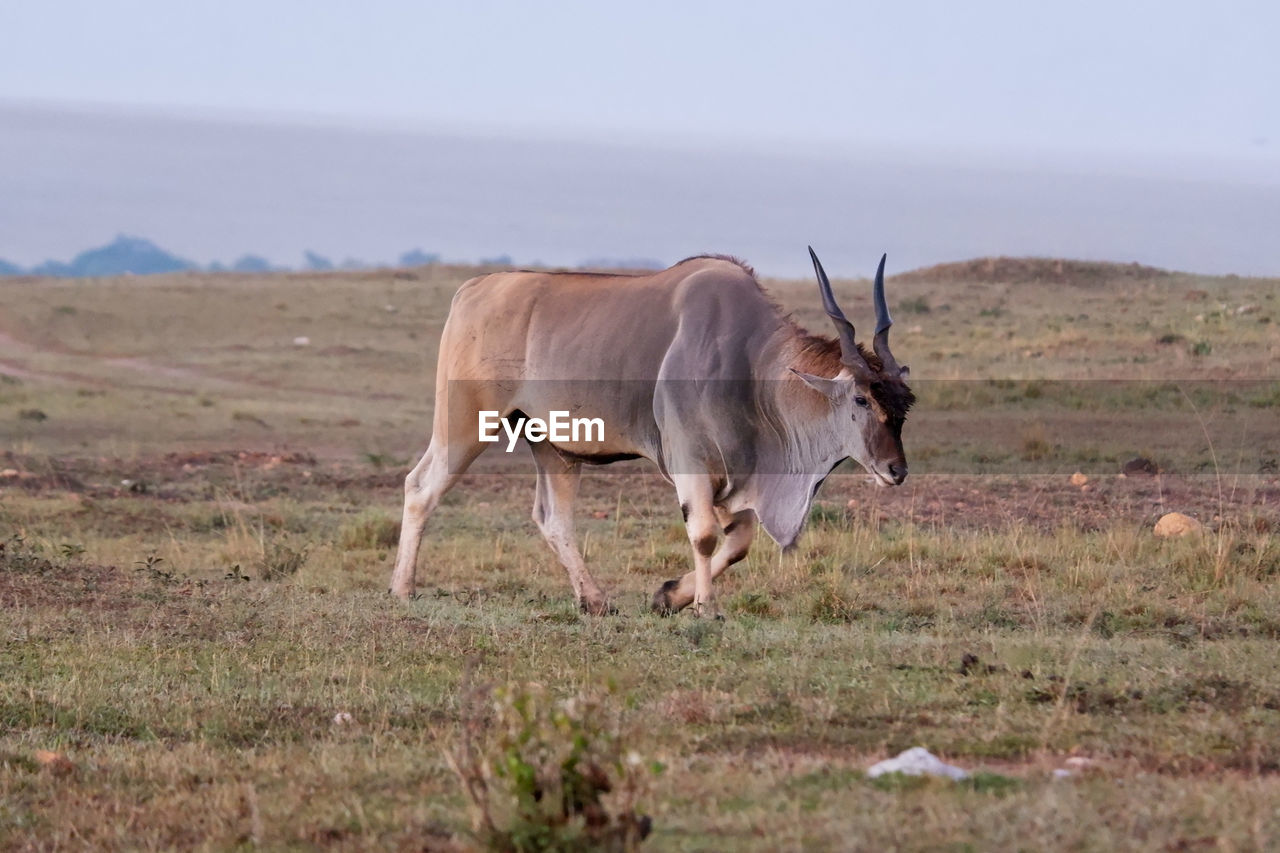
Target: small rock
(9, 473)
(1078, 479)
(1248, 309)
(917, 761)
(1062, 773)
(302, 341)
(1140, 466)
(1176, 524)
(915, 330)
(342, 718)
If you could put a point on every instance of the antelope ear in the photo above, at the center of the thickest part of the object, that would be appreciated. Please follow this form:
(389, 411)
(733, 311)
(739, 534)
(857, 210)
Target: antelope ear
(834, 390)
(904, 371)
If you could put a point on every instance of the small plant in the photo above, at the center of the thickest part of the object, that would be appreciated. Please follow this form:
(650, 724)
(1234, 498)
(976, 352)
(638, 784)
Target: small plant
(17, 556)
(546, 774)
(281, 560)
(235, 573)
(1200, 348)
(151, 565)
(71, 550)
(753, 603)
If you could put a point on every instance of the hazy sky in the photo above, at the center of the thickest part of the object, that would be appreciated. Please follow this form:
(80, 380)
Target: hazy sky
(1175, 77)
(937, 131)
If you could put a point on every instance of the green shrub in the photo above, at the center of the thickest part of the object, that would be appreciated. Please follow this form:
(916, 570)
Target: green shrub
(546, 774)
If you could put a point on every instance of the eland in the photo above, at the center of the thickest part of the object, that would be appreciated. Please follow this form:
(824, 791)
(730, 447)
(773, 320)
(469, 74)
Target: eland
(694, 368)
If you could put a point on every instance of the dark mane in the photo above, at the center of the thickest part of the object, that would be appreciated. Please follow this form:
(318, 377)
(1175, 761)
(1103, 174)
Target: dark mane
(894, 397)
(738, 262)
(821, 356)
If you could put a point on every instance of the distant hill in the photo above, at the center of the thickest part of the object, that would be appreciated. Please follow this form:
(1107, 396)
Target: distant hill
(1024, 270)
(418, 258)
(127, 255)
(137, 256)
(122, 256)
(316, 262)
(252, 263)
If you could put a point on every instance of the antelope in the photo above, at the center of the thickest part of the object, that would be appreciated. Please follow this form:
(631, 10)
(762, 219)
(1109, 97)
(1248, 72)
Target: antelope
(694, 368)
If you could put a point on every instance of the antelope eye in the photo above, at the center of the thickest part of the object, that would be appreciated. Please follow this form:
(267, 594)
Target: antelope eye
(861, 401)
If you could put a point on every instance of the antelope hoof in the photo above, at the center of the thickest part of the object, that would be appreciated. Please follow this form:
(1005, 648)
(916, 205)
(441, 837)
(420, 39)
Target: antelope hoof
(707, 610)
(663, 604)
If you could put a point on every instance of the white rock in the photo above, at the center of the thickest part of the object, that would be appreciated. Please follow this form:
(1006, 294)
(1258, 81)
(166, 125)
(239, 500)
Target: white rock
(342, 718)
(302, 341)
(917, 761)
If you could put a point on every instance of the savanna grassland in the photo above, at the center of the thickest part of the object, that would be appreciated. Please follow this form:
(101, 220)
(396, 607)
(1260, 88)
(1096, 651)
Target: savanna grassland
(199, 500)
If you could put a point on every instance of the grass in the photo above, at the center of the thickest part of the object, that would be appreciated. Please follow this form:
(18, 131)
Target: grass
(174, 691)
(195, 619)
